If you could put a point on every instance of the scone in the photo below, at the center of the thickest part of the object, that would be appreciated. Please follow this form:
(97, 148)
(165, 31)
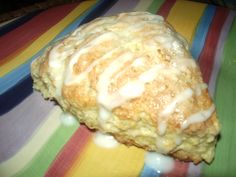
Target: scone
(131, 75)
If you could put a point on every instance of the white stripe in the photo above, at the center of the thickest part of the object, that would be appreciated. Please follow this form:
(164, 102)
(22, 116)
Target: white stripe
(219, 52)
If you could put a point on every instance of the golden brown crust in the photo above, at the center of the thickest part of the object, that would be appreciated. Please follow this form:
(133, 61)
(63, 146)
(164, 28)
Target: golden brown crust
(132, 76)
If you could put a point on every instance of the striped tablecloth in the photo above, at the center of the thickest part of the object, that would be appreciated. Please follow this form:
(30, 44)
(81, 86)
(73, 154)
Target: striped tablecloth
(37, 138)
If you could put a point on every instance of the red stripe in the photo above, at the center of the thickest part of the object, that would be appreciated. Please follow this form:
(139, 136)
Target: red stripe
(165, 8)
(23, 35)
(180, 170)
(73, 148)
(206, 59)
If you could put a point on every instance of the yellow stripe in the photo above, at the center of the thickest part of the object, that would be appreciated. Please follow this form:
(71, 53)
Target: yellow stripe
(184, 17)
(143, 5)
(102, 162)
(45, 38)
(26, 154)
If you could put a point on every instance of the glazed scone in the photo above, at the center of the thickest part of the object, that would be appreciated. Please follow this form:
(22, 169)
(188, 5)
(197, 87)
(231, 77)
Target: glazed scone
(132, 75)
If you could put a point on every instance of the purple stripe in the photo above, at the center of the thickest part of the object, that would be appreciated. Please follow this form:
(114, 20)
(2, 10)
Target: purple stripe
(219, 51)
(194, 170)
(122, 6)
(18, 125)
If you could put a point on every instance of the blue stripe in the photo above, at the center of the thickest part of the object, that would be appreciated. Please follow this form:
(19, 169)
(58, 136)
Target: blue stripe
(11, 83)
(149, 172)
(202, 30)
(15, 95)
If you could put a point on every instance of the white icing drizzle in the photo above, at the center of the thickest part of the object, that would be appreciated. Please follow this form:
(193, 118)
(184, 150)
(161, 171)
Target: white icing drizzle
(104, 114)
(160, 163)
(198, 117)
(183, 96)
(162, 145)
(162, 127)
(183, 63)
(136, 63)
(54, 57)
(78, 78)
(110, 101)
(178, 140)
(109, 29)
(146, 15)
(132, 89)
(150, 75)
(166, 40)
(57, 58)
(56, 64)
(105, 140)
(199, 88)
(180, 98)
(135, 88)
(71, 78)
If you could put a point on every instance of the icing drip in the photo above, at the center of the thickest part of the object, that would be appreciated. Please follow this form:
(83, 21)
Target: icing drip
(160, 163)
(68, 119)
(104, 114)
(105, 140)
(162, 127)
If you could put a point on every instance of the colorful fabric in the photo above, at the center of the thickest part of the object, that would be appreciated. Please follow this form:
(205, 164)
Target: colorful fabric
(224, 3)
(36, 138)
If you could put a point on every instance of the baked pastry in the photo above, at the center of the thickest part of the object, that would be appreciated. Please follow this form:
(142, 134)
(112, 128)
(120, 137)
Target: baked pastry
(131, 75)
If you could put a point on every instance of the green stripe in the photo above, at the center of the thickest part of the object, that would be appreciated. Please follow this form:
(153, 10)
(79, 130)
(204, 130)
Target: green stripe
(155, 5)
(225, 98)
(39, 165)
